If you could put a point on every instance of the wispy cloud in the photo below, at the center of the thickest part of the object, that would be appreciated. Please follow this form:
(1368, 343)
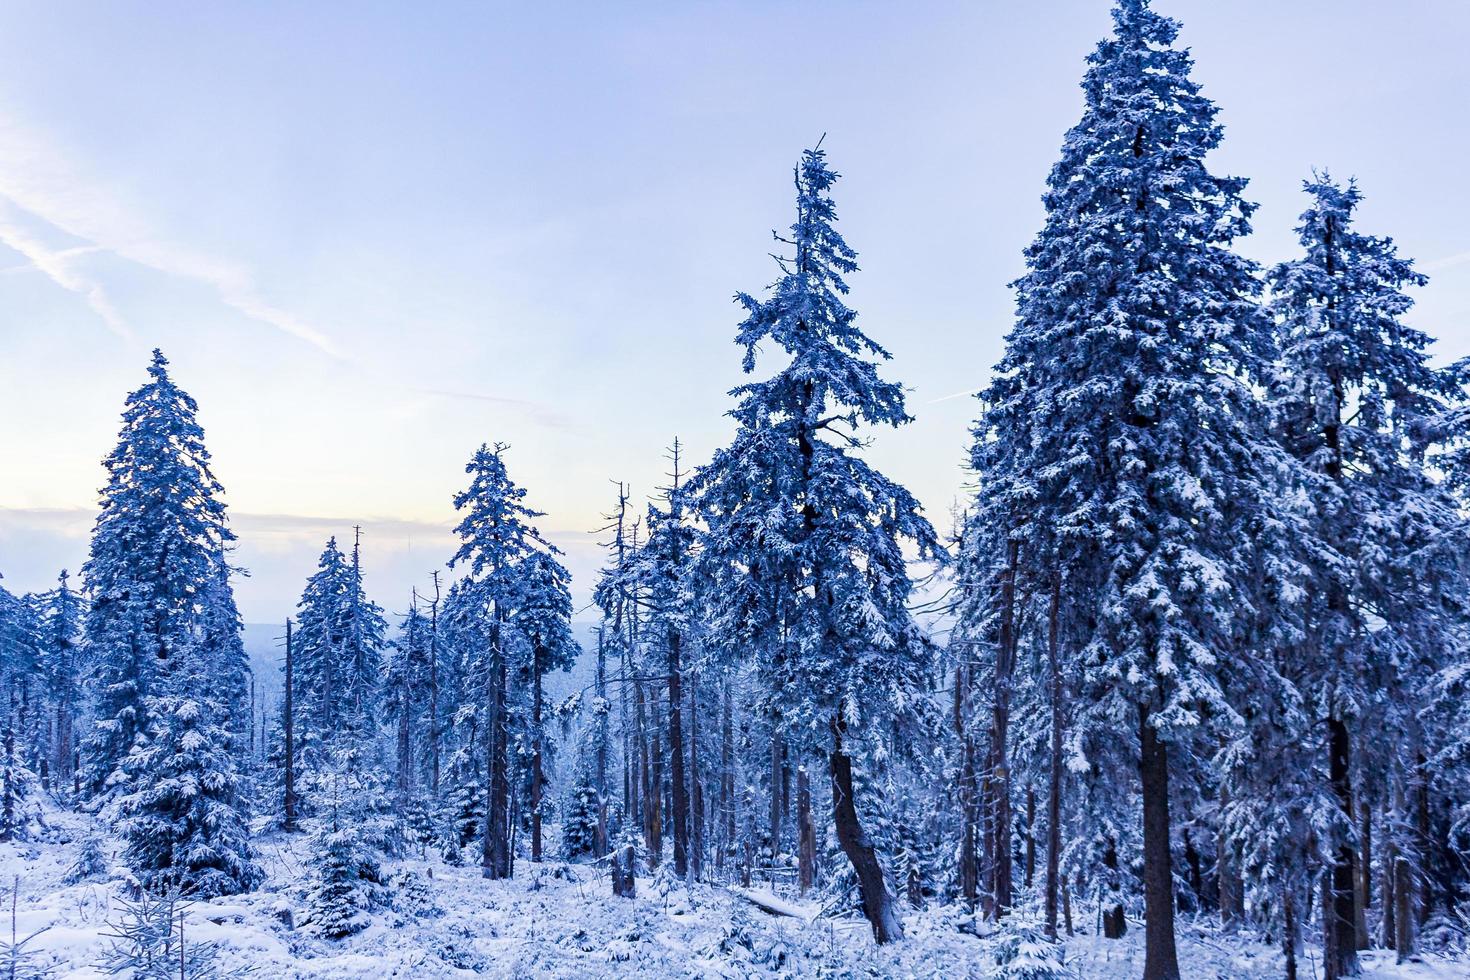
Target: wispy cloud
(59, 266)
(39, 181)
(543, 414)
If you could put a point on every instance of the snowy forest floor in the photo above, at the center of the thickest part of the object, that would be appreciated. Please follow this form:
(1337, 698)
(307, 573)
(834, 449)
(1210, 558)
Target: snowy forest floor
(559, 920)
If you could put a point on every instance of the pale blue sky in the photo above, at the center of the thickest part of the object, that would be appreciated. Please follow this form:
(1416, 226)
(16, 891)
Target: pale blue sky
(372, 236)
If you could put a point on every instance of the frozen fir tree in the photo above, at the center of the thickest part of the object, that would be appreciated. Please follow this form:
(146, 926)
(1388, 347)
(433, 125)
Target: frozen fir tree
(1385, 612)
(153, 554)
(346, 881)
(1130, 370)
(544, 620)
(407, 677)
(61, 665)
(496, 536)
(183, 819)
(339, 645)
(803, 549)
(222, 649)
(662, 571)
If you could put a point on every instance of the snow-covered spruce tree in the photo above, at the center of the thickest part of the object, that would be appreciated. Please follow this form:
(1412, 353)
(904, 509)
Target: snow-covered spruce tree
(1136, 343)
(21, 680)
(154, 551)
(1385, 608)
(406, 678)
(317, 655)
(220, 644)
(616, 596)
(544, 619)
(183, 819)
(496, 537)
(61, 666)
(364, 630)
(581, 812)
(339, 644)
(346, 877)
(661, 568)
(802, 548)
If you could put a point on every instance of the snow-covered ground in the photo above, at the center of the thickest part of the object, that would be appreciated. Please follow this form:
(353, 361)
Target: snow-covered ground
(559, 920)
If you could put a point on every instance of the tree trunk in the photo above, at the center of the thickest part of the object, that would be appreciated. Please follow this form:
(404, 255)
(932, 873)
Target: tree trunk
(1115, 923)
(495, 854)
(1232, 890)
(776, 809)
(806, 833)
(696, 785)
(679, 811)
(1291, 933)
(537, 776)
(1389, 929)
(1030, 835)
(1067, 905)
(1000, 773)
(1054, 775)
(288, 817)
(727, 776)
(624, 881)
(1403, 876)
(969, 858)
(434, 688)
(1161, 961)
(1364, 871)
(878, 905)
(1341, 958)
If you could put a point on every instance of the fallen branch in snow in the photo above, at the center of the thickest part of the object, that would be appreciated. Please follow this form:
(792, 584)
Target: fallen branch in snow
(769, 903)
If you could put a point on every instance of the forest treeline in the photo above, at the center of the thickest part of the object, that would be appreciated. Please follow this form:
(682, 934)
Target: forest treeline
(1199, 645)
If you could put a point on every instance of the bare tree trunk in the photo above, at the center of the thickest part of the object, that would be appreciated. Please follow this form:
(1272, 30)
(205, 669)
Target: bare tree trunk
(434, 688)
(1067, 905)
(806, 862)
(1030, 835)
(288, 817)
(1000, 773)
(679, 811)
(602, 736)
(878, 905)
(624, 880)
(1389, 930)
(696, 785)
(1364, 870)
(1161, 960)
(1054, 775)
(776, 809)
(1423, 838)
(969, 858)
(1291, 934)
(495, 855)
(1403, 878)
(727, 775)
(537, 776)
(1341, 960)
(1115, 924)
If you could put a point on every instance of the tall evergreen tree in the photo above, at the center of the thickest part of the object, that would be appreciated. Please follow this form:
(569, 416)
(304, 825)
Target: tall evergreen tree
(1130, 365)
(340, 639)
(61, 664)
(803, 544)
(1385, 607)
(154, 553)
(496, 536)
(544, 620)
(183, 818)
